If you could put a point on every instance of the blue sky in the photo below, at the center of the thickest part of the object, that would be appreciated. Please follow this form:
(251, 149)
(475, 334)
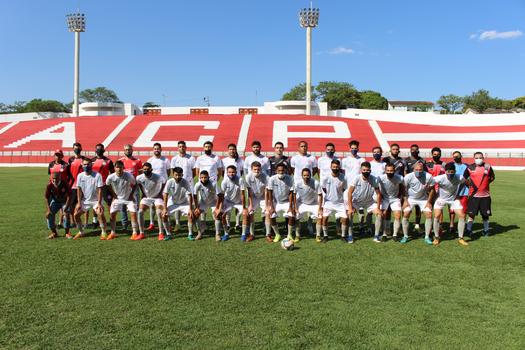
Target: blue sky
(243, 52)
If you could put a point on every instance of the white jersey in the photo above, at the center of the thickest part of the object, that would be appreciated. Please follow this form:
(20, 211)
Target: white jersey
(187, 163)
(238, 163)
(352, 167)
(334, 188)
(210, 163)
(280, 188)
(307, 193)
(206, 194)
(257, 185)
(418, 187)
(390, 186)
(377, 168)
(232, 189)
(152, 186)
(299, 162)
(364, 189)
(89, 185)
(160, 166)
(448, 189)
(265, 163)
(178, 191)
(121, 185)
(324, 164)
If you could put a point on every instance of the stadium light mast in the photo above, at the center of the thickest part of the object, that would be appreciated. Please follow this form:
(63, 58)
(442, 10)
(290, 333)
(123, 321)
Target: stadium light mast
(76, 23)
(309, 18)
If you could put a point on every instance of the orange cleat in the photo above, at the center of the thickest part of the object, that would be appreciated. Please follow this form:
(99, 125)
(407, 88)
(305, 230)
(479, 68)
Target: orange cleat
(111, 236)
(140, 236)
(103, 236)
(133, 237)
(78, 236)
(250, 238)
(69, 235)
(161, 236)
(52, 235)
(151, 227)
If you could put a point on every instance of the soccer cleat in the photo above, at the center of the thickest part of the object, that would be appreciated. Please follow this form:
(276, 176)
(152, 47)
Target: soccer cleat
(103, 236)
(151, 227)
(462, 242)
(161, 237)
(69, 235)
(404, 240)
(350, 239)
(225, 237)
(377, 239)
(318, 239)
(250, 238)
(111, 236)
(243, 238)
(269, 239)
(297, 239)
(167, 238)
(133, 237)
(324, 239)
(428, 241)
(52, 235)
(140, 237)
(78, 236)
(435, 241)
(190, 237)
(384, 238)
(198, 237)
(277, 238)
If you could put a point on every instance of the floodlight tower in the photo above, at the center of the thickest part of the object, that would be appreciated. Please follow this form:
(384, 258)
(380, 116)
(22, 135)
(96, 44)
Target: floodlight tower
(76, 23)
(308, 18)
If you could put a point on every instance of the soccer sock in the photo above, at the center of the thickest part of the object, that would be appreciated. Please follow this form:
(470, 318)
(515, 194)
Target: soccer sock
(428, 227)
(141, 221)
(344, 229)
(469, 225)
(167, 226)
(252, 228)
(386, 228)
(275, 228)
(113, 224)
(338, 226)
(298, 229)
(238, 219)
(318, 228)
(177, 218)
(227, 219)
(378, 226)
(151, 216)
(80, 227)
(350, 233)
(134, 227)
(461, 227)
(397, 225)
(244, 229)
(290, 230)
(217, 227)
(436, 227)
(190, 228)
(102, 227)
(360, 216)
(325, 231)
(159, 219)
(486, 225)
(268, 226)
(405, 224)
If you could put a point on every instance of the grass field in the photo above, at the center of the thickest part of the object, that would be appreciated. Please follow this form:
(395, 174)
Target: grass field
(92, 294)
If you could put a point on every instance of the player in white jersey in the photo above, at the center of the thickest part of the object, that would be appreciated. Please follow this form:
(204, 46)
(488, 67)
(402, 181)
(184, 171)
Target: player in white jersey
(210, 162)
(256, 156)
(205, 193)
(449, 184)
(186, 162)
(324, 162)
(151, 186)
(89, 196)
(334, 187)
(234, 159)
(279, 201)
(256, 182)
(351, 167)
(308, 196)
(180, 191)
(122, 186)
(377, 165)
(392, 191)
(233, 189)
(160, 165)
(364, 193)
(303, 160)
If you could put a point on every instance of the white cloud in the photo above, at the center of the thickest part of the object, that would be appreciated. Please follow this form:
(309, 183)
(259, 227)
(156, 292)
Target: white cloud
(493, 34)
(341, 51)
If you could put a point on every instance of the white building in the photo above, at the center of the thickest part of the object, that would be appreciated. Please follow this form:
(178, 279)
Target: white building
(411, 106)
(96, 109)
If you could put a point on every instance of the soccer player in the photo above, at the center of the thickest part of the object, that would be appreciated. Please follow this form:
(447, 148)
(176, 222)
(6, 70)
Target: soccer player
(58, 165)
(392, 191)
(160, 166)
(279, 158)
(104, 166)
(480, 176)
(89, 196)
(234, 159)
(186, 162)
(417, 187)
(303, 160)
(75, 168)
(448, 184)
(256, 156)
(334, 187)
(410, 161)
(180, 191)
(279, 201)
(205, 195)
(233, 189)
(57, 198)
(308, 198)
(377, 164)
(463, 189)
(210, 162)
(151, 186)
(436, 167)
(324, 162)
(361, 193)
(122, 186)
(394, 158)
(256, 182)
(351, 167)
(133, 166)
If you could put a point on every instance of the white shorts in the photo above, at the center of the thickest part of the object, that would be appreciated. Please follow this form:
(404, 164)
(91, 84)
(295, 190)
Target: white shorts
(394, 204)
(258, 203)
(227, 206)
(421, 203)
(281, 209)
(454, 205)
(183, 208)
(369, 207)
(157, 202)
(117, 205)
(339, 209)
(311, 209)
(86, 205)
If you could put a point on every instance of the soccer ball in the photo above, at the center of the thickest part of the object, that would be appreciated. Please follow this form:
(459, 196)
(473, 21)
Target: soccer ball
(287, 244)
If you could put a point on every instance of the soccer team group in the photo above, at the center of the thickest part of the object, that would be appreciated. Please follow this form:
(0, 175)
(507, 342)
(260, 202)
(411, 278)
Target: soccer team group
(386, 188)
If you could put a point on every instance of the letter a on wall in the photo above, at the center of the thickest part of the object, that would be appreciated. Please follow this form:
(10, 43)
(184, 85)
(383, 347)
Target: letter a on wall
(67, 135)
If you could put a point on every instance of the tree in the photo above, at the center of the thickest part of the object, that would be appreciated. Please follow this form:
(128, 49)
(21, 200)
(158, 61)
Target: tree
(150, 105)
(479, 101)
(450, 103)
(298, 93)
(98, 94)
(519, 102)
(338, 95)
(39, 105)
(372, 100)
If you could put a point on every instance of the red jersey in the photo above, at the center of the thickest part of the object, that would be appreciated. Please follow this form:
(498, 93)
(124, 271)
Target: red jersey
(103, 166)
(62, 168)
(75, 168)
(480, 177)
(59, 193)
(435, 169)
(132, 165)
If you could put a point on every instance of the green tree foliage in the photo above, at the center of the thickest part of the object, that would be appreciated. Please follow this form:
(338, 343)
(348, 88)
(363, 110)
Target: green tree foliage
(450, 103)
(338, 95)
(98, 94)
(298, 93)
(479, 101)
(519, 102)
(150, 105)
(35, 105)
(372, 100)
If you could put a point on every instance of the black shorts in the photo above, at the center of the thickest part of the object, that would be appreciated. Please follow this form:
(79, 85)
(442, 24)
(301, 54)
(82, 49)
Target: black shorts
(479, 205)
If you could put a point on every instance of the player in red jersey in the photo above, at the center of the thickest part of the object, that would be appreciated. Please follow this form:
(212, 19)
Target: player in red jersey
(480, 175)
(75, 168)
(57, 198)
(133, 166)
(104, 166)
(58, 165)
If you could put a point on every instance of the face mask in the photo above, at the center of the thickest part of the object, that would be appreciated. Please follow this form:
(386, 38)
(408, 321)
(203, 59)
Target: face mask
(207, 152)
(478, 161)
(418, 173)
(436, 158)
(390, 175)
(232, 177)
(415, 154)
(128, 153)
(457, 159)
(280, 176)
(450, 176)
(335, 171)
(99, 152)
(205, 183)
(148, 173)
(354, 151)
(377, 156)
(157, 153)
(87, 168)
(330, 153)
(366, 174)
(77, 151)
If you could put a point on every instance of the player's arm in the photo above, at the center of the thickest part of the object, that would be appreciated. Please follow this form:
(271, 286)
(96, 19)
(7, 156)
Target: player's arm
(350, 194)
(269, 200)
(165, 198)
(492, 176)
(431, 196)
(291, 200)
(379, 197)
(99, 195)
(111, 167)
(68, 197)
(220, 200)
(243, 199)
(47, 195)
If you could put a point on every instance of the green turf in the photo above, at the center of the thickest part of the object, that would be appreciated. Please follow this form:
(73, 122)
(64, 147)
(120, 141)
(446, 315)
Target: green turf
(91, 294)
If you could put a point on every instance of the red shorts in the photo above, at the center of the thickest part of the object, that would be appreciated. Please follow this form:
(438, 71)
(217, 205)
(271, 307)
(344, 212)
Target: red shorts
(464, 203)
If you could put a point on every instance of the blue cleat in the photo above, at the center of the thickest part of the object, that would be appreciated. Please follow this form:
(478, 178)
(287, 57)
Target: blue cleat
(350, 239)
(190, 237)
(168, 238)
(377, 239)
(243, 238)
(428, 241)
(404, 240)
(225, 237)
